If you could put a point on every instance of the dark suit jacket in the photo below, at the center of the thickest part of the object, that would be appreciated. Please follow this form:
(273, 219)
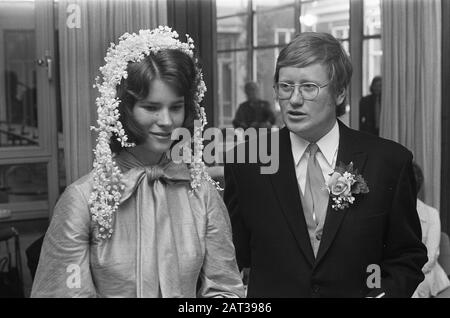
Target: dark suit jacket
(367, 115)
(381, 227)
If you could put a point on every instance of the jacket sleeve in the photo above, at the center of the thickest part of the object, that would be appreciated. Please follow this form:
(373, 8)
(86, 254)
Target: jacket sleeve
(63, 269)
(404, 254)
(241, 235)
(433, 239)
(219, 275)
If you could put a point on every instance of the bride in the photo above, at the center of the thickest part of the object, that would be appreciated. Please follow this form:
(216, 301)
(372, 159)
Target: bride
(141, 225)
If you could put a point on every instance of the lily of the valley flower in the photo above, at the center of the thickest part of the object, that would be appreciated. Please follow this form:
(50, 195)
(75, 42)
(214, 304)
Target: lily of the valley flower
(104, 200)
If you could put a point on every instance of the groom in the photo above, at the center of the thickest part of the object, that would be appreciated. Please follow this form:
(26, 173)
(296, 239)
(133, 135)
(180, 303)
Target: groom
(288, 229)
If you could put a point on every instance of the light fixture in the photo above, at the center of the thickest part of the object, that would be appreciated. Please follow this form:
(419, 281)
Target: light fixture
(308, 20)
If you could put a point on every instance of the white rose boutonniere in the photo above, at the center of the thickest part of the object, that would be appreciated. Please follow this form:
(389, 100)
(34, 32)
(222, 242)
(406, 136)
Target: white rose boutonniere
(343, 184)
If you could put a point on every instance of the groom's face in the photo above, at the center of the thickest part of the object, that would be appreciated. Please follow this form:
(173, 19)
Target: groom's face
(309, 119)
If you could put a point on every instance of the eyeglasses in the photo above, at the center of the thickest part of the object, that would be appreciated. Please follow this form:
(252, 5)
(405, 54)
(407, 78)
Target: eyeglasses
(309, 91)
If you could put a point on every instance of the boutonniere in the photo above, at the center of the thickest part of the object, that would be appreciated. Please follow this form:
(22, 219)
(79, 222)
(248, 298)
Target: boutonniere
(343, 184)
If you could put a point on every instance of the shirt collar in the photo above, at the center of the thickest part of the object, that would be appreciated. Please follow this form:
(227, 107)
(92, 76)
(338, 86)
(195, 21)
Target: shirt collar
(299, 146)
(328, 145)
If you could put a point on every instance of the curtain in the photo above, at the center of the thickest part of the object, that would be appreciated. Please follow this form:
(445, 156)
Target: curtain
(198, 19)
(411, 99)
(82, 48)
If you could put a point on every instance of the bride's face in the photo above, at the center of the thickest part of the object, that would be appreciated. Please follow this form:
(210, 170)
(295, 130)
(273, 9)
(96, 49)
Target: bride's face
(159, 114)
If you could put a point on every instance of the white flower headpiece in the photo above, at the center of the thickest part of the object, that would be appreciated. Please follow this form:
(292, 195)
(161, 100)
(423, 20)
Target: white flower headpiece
(107, 191)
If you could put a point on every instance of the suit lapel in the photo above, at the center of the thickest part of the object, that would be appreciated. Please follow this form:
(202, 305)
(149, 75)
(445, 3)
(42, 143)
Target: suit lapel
(285, 187)
(348, 151)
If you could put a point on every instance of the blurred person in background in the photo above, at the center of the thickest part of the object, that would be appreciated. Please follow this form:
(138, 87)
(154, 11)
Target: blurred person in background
(254, 112)
(370, 108)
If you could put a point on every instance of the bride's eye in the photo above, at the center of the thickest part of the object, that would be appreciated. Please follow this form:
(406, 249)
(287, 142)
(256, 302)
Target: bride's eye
(177, 107)
(150, 108)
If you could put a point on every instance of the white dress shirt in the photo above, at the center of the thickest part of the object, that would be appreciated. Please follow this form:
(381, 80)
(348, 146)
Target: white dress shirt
(326, 157)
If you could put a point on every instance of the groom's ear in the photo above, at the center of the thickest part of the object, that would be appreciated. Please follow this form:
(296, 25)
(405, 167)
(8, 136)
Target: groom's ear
(340, 96)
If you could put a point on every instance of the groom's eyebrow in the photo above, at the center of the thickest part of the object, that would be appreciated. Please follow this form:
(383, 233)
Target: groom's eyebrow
(290, 80)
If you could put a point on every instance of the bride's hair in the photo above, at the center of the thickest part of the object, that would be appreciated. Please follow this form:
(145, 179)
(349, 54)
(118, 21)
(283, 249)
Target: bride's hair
(176, 69)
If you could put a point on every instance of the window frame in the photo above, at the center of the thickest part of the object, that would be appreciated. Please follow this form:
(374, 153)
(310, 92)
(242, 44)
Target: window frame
(252, 48)
(46, 150)
(356, 39)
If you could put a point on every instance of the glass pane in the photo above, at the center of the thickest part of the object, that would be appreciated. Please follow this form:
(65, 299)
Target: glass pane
(331, 16)
(372, 17)
(372, 58)
(18, 102)
(232, 33)
(275, 27)
(23, 182)
(346, 46)
(232, 75)
(261, 5)
(265, 68)
(229, 7)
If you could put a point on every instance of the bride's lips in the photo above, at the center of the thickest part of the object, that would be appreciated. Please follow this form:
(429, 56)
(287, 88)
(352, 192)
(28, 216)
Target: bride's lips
(161, 135)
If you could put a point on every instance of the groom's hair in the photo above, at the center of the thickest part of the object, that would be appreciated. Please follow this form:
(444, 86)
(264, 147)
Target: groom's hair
(176, 69)
(309, 48)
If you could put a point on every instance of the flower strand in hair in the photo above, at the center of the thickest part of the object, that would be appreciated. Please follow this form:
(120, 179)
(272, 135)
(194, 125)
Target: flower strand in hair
(107, 189)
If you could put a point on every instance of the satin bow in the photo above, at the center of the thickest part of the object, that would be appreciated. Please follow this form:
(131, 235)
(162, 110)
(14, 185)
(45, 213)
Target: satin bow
(169, 172)
(158, 267)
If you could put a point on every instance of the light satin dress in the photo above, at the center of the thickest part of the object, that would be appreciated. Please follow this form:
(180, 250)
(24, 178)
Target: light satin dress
(436, 279)
(167, 241)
